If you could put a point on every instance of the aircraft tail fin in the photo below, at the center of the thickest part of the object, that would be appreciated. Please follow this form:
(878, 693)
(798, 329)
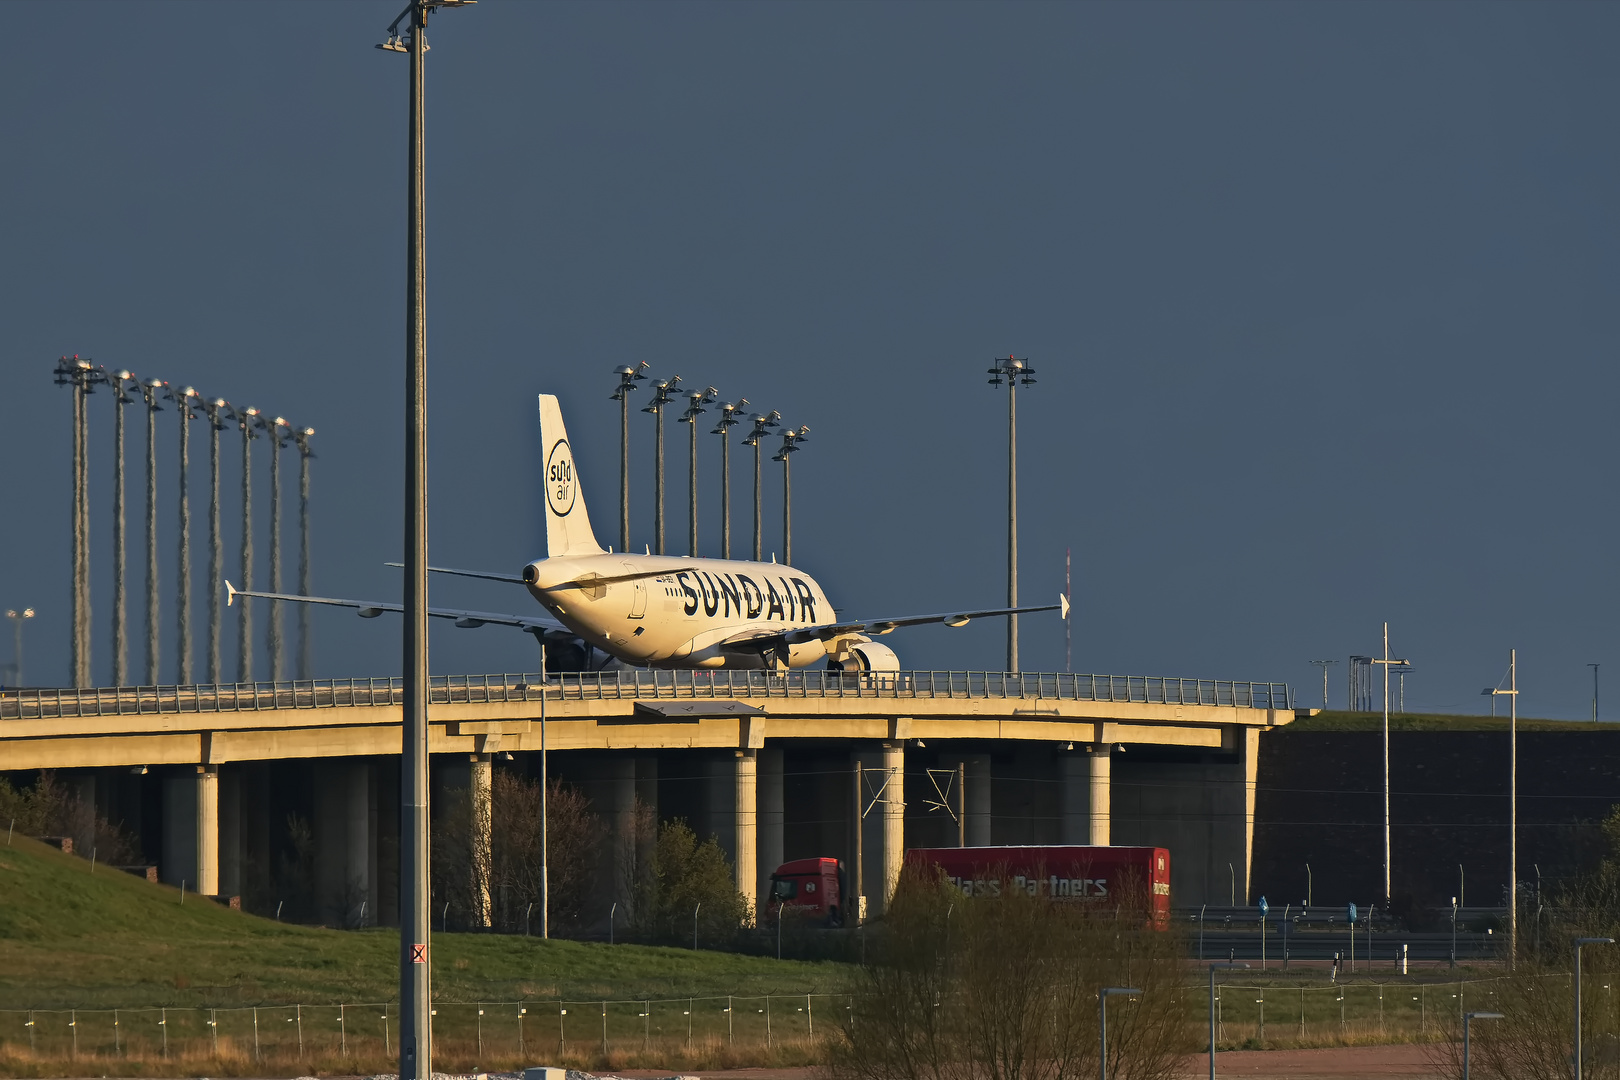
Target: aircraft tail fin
(568, 526)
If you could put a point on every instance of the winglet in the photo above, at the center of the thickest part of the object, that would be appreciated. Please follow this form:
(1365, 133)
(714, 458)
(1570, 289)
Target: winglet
(1063, 606)
(230, 594)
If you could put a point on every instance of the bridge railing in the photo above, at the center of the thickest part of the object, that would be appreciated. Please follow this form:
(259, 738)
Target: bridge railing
(1035, 687)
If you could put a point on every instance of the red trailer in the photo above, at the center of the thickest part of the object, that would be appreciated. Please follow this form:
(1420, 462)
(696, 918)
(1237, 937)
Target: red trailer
(815, 888)
(1068, 873)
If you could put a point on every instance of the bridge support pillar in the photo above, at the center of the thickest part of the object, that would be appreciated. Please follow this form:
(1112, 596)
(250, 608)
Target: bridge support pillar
(1251, 771)
(894, 816)
(976, 798)
(479, 787)
(746, 826)
(1101, 795)
(207, 830)
(230, 833)
(344, 841)
(772, 848)
(1076, 797)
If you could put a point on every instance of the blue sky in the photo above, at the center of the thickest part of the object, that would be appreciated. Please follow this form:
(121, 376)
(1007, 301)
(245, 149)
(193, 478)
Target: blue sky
(1320, 297)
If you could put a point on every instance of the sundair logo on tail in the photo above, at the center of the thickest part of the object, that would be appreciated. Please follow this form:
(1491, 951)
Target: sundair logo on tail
(560, 479)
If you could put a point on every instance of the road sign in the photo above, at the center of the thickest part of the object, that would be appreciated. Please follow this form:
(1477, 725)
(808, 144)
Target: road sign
(1264, 907)
(1352, 913)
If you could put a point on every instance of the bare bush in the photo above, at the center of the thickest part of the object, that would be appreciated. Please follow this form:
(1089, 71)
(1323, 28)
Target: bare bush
(1007, 989)
(49, 808)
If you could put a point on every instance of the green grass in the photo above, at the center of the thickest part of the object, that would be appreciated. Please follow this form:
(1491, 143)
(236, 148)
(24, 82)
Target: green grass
(1339, 720)
(73, 939)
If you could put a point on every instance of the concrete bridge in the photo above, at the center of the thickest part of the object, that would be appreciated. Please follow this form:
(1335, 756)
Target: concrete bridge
(763, 760)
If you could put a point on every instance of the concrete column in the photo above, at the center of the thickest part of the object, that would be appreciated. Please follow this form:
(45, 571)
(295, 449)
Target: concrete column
(746, 829)
(894, 816)
(621, 778)
(1251, 772)
(230, 832)
(207, 834)
(976, 793)
(478, 790)
(357, 822)
(177, 863)
(772, 850)
(1076, 797)
(1101, 794)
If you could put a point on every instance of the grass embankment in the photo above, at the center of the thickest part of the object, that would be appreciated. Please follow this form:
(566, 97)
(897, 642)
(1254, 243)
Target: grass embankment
(76, 946)
(1339, 720)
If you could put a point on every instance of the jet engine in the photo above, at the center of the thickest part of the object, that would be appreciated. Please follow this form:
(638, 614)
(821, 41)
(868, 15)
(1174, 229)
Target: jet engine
(866, 656)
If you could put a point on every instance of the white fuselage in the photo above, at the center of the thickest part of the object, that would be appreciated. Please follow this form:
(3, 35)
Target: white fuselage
(704, 613)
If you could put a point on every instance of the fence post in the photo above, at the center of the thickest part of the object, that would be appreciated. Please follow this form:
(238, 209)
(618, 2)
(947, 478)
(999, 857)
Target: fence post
(604, 1029)
(298, 1015)
(118, 1047)
(255, 1033)
(810, 1015)
(163, 1022)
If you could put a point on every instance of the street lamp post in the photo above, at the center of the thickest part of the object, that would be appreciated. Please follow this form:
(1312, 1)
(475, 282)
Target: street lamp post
(1015, 371)
(628, 377)
(1324, 665)
(1512, 693)
(790, 445)
(416, 1023)
(301, 438)
(1579, 943)
(1102, 1023)
(1468, 1018)
(694, 409)
(728, 420)
(762, 426)
(120, 628)
(18, 620)
(217, 410)
(662, 395)
(151, 389)
(1213, 968)
(1387, 662)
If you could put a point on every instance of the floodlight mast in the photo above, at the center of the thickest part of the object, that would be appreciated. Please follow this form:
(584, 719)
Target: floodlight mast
(694, 409)
(1015, 371)
(790, 445)
(301, 437)
(662, 395)
(415, 995)
(1512, 694)
(187, 401)
(18, 621)
(762, 426)
(217, 410)
(280, 433)
(245, 423)
(82, 376)
(728, 420)
(151, 390)
(628, 377)
(120, 628)
(1387, 662)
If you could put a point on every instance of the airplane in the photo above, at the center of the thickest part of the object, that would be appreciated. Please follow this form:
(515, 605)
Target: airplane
(665, 611)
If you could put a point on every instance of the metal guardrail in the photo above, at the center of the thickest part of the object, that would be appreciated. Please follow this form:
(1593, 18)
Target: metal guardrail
(32, 704)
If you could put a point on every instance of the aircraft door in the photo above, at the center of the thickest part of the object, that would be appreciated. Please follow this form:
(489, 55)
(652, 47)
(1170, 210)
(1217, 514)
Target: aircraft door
(638, 599)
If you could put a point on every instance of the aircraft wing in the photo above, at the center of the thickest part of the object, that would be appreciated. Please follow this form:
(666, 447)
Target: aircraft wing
(883, 626)
(368, 609)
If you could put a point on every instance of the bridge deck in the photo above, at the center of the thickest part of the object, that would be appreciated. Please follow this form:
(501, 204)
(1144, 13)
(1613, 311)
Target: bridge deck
(609, 710)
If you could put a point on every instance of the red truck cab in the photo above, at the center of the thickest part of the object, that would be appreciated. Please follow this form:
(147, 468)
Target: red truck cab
(808, 888)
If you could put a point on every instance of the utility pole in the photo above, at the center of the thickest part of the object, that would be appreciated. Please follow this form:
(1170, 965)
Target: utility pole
(790, 441)
(728, 420)
(628, 377)
(696, 400)
(1386, 662)
(1324, 665)
(1015, 371)
(415, 994)
(1512, 693)
(762, 426)
(662, 395)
